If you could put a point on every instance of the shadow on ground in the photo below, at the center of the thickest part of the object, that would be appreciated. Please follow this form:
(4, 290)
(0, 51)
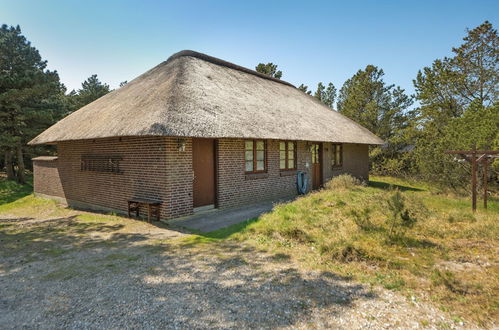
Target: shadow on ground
(388, 186)
(64, 272)
(10, 191)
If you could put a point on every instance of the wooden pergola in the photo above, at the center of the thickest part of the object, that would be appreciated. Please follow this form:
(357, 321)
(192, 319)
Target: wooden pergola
(476, 157)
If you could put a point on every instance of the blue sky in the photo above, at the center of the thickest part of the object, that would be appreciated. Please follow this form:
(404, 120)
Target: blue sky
(311, 41)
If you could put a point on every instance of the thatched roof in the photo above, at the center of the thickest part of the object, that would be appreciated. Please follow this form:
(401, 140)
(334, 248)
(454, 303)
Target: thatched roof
(195, 95)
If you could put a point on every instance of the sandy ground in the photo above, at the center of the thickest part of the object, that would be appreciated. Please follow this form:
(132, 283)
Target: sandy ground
(69, 273)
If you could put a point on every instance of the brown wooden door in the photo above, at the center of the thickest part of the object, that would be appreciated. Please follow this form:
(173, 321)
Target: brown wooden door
(316, 166)
(203, 165)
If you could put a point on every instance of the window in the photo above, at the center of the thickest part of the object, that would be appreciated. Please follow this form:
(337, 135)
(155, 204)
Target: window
(337, 155)
(287, 155)
(101, 163)
(255, 156)
(314, 149)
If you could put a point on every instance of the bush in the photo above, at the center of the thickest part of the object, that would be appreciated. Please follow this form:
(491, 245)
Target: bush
(400, 218)
(343, 181)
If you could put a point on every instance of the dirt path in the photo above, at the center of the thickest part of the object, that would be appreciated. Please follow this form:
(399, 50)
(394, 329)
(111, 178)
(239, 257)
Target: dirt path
(72, 273)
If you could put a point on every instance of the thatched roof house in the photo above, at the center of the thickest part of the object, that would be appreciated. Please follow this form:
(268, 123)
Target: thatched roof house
(269, 127)
(195, 95)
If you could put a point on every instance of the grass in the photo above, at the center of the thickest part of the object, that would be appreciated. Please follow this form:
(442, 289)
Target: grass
(11, 191)
(445, 254)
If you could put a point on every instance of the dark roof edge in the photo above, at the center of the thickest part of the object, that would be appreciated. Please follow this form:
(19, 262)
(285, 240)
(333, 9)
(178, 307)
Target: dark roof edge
(220, 62)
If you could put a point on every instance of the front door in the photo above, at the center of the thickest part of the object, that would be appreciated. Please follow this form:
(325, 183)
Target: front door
(316, 166)
(203, 165)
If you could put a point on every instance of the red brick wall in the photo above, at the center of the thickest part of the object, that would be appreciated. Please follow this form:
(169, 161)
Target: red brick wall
(154, 168)
(46, 178)
(236, 188)
(355, 161)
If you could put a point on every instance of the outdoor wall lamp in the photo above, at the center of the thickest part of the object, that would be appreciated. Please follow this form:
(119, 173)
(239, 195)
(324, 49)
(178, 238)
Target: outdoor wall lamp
(181, 145)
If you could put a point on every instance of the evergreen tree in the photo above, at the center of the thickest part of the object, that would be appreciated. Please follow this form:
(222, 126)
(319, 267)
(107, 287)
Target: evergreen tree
(326, 95)
(31, 97)
(368, 100)
(305, 89)
(459, 97)
(269, 69)
(91, 89)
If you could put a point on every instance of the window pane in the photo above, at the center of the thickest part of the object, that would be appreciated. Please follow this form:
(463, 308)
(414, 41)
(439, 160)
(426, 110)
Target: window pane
(282, 164)
(291, 154)
(248, 145)
(260, 165)
(282, 155)
(291, 146)
(291, 163)
(282, 146)
(260, 145)
(248, 155)
(260, 155)
(249, 166)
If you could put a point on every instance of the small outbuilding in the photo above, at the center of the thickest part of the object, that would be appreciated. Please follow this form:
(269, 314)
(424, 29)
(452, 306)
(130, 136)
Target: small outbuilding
(197, 132)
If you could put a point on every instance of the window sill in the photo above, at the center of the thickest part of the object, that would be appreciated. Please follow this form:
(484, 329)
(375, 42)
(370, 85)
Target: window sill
(256, 176)
(337, 168)
(287, 172)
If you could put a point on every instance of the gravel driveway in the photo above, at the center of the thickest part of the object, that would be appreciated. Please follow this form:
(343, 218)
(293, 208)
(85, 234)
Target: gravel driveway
(70, 273)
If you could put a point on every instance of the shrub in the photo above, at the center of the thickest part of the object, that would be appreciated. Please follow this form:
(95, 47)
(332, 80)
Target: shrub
(343, 181)
(362, 218)
(400, 218)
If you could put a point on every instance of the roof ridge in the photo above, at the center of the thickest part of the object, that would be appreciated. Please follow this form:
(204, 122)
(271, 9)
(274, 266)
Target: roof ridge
(221, 62)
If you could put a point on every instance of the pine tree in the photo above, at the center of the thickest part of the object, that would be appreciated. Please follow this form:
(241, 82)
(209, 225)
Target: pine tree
(270, 69)
(30, 96)
(326, 95)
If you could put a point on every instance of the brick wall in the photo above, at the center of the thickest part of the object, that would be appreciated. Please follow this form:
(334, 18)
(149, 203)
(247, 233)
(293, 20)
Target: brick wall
(236, 188)
(154, 168)
(355, 161)
(46, 179)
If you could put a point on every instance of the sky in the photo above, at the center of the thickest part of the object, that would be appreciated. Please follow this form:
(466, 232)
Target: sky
(310, 41)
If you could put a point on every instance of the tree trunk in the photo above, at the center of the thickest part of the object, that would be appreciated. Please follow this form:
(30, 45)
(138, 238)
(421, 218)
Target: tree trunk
(8, 165)
(21, 177)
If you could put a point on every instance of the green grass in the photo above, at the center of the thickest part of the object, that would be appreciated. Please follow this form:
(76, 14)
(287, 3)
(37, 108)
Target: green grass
(11, 191)
(449, 255)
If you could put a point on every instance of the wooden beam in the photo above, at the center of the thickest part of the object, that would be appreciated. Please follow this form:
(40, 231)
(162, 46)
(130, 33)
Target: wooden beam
(473, 182)
(485, 179)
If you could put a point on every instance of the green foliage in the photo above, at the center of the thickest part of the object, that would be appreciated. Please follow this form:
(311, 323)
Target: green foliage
(326, 95)
(459, 108)
(362, 218)
(31, 97)
(304, 89)
(91, 90)
(399, 219)
(379, 107)
(270, 69)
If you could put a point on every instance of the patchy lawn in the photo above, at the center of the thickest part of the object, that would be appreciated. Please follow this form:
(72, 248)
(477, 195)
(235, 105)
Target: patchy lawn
(445, 255)
(62, 268)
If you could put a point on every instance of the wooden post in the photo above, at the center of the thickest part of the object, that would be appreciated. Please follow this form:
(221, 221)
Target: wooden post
(473, 180)
(485, 179)
(471, 156)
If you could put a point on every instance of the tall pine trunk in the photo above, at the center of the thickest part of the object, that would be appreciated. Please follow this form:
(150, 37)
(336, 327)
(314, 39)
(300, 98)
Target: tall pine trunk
(9, 168)
(21, 177)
